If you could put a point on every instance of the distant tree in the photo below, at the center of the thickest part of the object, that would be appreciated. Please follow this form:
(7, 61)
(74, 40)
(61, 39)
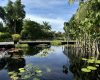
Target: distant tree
(46, 26)
(31, 30)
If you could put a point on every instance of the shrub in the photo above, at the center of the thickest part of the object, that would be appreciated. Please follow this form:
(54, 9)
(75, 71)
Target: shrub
(16, 37)
(55, 42)
(4, 36)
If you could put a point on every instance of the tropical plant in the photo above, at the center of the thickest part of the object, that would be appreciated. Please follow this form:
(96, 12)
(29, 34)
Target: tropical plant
(16, 37)
(12, 15)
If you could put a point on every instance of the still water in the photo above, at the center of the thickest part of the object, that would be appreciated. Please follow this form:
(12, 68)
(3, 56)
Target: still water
(56, 63)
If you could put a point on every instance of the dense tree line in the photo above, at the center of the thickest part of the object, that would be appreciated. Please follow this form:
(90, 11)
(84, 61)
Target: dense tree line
(13, 15)
(84, 26)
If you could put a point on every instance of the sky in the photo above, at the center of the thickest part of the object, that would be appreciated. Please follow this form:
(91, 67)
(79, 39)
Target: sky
(56, 12)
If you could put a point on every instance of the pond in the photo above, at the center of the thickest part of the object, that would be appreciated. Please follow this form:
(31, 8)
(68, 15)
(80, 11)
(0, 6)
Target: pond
(54, 63)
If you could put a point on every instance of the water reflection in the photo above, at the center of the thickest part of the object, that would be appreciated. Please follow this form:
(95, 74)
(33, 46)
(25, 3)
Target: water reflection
(75, 56)
(33, 50)
(12, 64)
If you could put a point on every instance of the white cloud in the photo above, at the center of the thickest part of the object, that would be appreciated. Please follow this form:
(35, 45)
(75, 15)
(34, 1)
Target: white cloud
(44, 3)
(56, 24)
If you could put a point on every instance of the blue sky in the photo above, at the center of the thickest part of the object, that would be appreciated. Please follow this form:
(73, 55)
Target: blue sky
(56, 12)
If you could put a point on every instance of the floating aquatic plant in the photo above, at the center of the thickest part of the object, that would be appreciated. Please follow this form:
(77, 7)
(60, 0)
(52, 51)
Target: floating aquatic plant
(91, 68)
(97, 61)
(85, 70)
(92, 60)
(84, 59)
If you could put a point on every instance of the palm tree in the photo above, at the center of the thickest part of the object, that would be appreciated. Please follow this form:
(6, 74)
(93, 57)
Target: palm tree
(46, 26)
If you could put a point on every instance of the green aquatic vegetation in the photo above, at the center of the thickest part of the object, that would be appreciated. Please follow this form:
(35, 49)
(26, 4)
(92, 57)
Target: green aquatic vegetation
(97, 61)
(55, 42)
(91, 68)
(22, 70)
(13, 75)
(91, 60)
(84, 59)
(21, 45)
(85, 70)
(28, 72)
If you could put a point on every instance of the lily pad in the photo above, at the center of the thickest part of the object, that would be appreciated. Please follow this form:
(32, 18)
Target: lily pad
(10, 73)
(97, 61)
(91, 68)
(38, 71)
(84, 59)
(85, 70)
(21, 69)
(90, 60)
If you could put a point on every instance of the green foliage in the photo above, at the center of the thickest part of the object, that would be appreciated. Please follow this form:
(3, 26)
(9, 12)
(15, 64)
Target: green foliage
(55, 42)
(91, 68)
(4, 36)
(13, 14)
(85, 70)
(85, 24)
(21, 45)
(33, 30)
(26, 73)
(16, 37)
(90, 61)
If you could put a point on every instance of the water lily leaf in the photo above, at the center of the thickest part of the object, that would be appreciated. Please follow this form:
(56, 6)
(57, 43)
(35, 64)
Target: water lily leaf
(85, 70)
(21, 69)
(38, 71)
(91, 68)
(90, 60)
(97, 61)
(84, 59)
(10, 73)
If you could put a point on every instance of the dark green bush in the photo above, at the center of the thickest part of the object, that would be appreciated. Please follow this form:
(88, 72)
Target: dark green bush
(4, 36)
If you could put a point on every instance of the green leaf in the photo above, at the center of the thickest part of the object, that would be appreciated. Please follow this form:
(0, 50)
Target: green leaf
(90, 60)
(84, 59)
(91, 68)
(85, 70)
(97, 61)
